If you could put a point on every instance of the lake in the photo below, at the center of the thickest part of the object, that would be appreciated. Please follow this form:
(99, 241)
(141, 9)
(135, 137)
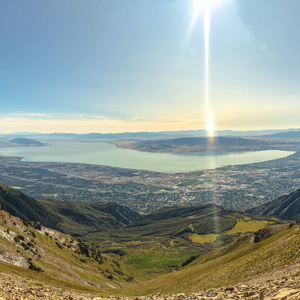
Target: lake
(102, 153)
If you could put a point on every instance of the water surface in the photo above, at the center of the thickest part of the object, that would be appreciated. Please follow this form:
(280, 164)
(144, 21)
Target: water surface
(101, 153)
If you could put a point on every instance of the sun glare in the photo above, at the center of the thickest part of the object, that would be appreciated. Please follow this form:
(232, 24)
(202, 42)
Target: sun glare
(200, 5)
(206, 6)
(210, 127)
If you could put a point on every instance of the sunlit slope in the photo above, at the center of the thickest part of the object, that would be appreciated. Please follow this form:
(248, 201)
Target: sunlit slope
(230, 264)
(48, 256)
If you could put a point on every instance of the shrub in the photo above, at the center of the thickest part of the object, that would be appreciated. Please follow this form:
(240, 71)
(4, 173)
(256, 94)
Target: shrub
(24, 246)
(189, 260)
(20, 237)
(34, 268)
(30, 245)
(129, 278)
(59, 245)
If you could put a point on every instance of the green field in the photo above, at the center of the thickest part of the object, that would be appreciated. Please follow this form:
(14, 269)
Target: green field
(243, 226)
(206, 238)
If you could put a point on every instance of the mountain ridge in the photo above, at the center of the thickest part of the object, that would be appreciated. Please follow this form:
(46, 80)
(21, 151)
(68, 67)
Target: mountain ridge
(285, 207)
(66, 216)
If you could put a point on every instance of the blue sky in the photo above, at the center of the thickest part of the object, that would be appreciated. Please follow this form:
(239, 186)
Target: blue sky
(138, 65)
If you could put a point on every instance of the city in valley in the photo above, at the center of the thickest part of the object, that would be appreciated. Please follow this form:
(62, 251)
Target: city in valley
(238, 187)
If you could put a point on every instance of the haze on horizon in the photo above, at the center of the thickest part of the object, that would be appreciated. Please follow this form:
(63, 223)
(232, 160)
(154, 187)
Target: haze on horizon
(132, 65)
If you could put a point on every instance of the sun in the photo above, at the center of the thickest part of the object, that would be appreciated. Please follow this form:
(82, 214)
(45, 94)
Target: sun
(210, 126)
(200, 5)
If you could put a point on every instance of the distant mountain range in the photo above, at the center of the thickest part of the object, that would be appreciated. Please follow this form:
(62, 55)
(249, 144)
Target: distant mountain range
(147, 135)
(286, 135)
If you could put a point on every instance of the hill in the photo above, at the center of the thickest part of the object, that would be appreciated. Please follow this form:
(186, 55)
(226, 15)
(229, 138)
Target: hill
(171, 237)
(154, 244)
(285, 207)
(26, 142)
(85, 219)
(274, 257)
(78, 219)
(26, 208)
(172, 250)
(197, 144)
(50, 257)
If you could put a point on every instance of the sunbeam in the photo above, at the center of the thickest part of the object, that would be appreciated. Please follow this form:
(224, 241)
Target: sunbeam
(209, 115)
(206, 6)
(200, 5)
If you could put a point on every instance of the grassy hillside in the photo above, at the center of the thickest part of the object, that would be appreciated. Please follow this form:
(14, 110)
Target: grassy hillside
(54, 258)
(46, 255)
(77, 219)
(172, 247)
(26, 208)
(229, 264)
(85, 219)
(171, 237)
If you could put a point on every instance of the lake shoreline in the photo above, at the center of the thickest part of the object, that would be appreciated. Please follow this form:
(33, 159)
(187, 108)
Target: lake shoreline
(107, 154)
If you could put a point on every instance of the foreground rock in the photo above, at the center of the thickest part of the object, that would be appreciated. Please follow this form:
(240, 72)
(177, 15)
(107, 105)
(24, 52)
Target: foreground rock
(13, 287)
(285, 289)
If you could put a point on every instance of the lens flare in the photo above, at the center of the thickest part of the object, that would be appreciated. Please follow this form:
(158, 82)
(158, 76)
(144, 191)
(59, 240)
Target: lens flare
(205, 6)
(200, 5)
(209, 116)
(210, 126)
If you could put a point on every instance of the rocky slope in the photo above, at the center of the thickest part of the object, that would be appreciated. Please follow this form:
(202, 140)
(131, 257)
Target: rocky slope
(269, 285)
(14, 287)
(281, 289)
(49, 256)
